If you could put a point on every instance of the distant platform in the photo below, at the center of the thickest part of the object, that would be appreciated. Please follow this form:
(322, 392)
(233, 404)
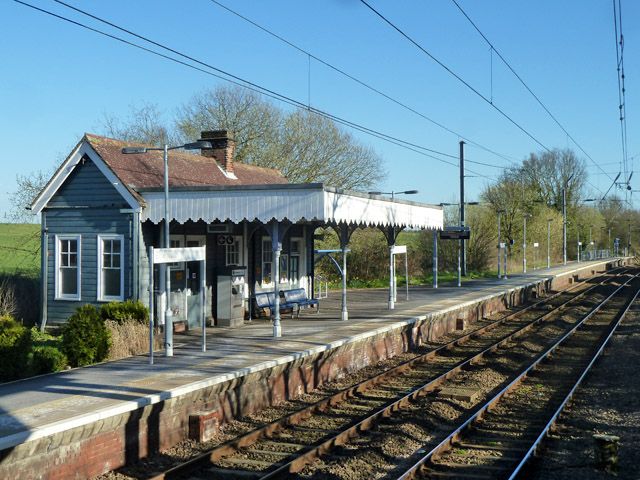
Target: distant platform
(90, 420)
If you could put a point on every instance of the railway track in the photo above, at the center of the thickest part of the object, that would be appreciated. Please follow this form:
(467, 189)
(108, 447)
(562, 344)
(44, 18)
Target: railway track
(502, 436)
(350, 421)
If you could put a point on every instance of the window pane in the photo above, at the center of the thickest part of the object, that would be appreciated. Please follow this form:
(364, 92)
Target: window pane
(115, 246)
(115, 261)
(69, 279)
(266, 273)
(111, 282)
(73, 260)
(293, 268)
(72, 246)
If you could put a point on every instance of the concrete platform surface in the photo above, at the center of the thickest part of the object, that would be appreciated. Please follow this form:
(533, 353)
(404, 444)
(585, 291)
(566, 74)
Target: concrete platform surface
(49, 404)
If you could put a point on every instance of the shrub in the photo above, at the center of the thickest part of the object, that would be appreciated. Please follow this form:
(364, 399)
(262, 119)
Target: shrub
(8, 303)
(17, 294)
(47, 359)
(15, 345)
(122, 311)
(85, 339)
(130, 338)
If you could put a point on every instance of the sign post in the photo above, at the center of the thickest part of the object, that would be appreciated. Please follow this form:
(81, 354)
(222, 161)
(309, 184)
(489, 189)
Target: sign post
(400, 250)
(457, 233)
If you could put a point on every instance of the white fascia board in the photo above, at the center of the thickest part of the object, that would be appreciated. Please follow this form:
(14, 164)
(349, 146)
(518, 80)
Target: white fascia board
(372, 212)
(61, 175)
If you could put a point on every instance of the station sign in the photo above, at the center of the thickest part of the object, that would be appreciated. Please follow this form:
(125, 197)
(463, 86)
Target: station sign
(398, 249)
(455, 233)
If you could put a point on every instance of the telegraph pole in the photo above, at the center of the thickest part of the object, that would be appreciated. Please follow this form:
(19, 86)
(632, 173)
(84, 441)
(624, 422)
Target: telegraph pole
(463, 246)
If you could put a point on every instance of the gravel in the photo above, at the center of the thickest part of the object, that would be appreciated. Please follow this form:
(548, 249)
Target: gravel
(607, 402)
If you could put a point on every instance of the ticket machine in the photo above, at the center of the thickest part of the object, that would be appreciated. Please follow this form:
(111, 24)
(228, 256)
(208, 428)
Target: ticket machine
(230, 296)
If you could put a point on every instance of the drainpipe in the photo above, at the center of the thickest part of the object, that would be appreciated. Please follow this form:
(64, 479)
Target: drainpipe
(44, 271)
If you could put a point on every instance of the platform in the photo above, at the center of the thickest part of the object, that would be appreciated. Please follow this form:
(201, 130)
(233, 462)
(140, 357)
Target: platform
(53, 419)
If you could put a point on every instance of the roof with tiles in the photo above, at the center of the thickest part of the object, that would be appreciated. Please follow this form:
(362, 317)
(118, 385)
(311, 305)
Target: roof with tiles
(146, 170)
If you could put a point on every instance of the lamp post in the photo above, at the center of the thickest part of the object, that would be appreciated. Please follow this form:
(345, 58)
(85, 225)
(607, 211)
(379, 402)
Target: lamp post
(392, 266)
(499, 212)
(579, 244)
(549, 220)
(166, 312)
(564, 219)
(524, 242)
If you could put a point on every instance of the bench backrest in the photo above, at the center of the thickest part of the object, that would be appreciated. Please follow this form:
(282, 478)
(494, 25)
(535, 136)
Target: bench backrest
(265, 299)
(295, 295)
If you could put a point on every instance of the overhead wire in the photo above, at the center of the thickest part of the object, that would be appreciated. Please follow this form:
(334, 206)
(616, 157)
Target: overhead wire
(619, 40)
(455, 75)
(524, 84)
(237, 80)
(357, 80)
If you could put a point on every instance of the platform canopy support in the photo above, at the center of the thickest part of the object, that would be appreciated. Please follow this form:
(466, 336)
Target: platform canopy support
(277, 231)
(391, 234)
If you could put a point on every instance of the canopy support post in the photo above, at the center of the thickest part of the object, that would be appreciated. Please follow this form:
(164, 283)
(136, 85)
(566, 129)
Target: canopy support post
(277, 231)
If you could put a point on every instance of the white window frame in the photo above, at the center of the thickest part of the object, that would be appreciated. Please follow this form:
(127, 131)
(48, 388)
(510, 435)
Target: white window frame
(237, 244)
(265, 241)
(100, 296)
(179, 240)
(58, 264)
(299, 254)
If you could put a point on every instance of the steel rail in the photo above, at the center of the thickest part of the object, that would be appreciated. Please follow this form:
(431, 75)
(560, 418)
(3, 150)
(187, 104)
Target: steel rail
(446, 444)
(232, 446)
(552, 422)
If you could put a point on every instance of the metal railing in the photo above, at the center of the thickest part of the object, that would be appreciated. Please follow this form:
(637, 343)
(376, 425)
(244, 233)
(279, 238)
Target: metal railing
(318, 284)
(595, 254)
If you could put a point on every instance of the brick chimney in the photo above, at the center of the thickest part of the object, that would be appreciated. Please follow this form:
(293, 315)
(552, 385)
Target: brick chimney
(223, 148)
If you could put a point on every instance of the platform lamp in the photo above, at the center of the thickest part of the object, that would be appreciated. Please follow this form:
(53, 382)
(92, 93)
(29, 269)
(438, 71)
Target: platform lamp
(392, 273)
(168, 323)
(500, 212)
(549, 220)
(524, 241)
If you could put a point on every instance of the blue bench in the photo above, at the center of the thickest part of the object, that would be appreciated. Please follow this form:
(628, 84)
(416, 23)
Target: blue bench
(292, 300)
(298, 297)
(266, 300)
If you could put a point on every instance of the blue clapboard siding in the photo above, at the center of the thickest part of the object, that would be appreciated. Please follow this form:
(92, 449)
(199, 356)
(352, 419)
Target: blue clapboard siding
(87, 186)
(86, 205)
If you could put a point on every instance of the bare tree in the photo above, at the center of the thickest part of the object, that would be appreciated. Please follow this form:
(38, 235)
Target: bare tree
(546, 173)
(144, 125)
(254, 122)
(29, 186)
(304, 146)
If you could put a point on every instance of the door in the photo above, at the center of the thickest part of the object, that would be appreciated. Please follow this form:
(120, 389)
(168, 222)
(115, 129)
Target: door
(193, 291)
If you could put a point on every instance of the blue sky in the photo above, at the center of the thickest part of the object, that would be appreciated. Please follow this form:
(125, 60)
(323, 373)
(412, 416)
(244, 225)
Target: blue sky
(58, 81)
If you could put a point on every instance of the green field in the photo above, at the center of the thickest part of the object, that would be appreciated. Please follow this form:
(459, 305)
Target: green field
(20, 248)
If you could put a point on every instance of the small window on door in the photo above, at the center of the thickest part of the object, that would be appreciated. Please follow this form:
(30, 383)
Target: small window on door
(267, 258)
(294, 259)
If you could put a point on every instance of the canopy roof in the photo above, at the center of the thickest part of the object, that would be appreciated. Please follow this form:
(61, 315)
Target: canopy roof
(296, 203)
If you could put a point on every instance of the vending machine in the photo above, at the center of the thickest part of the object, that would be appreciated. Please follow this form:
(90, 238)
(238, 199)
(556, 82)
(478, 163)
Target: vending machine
(230, 296)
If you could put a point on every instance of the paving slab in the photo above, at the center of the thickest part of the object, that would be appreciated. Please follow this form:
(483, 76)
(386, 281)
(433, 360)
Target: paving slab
(41, 406)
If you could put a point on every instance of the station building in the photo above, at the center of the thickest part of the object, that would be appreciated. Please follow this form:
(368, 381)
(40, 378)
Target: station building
(102, 209)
